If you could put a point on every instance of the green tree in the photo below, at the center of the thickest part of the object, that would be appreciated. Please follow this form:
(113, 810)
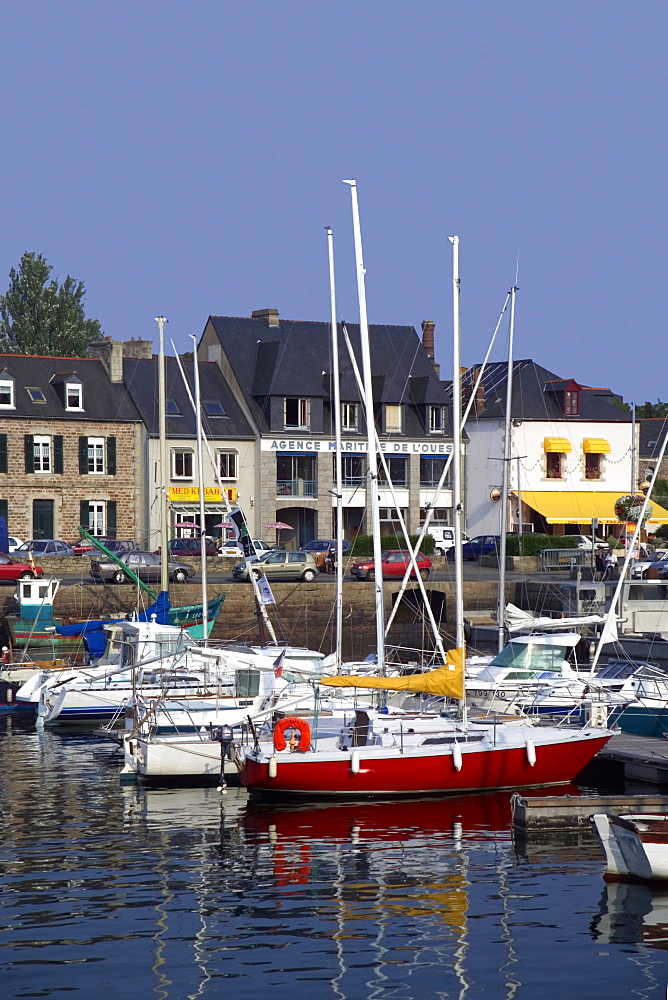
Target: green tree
(39, 316)
(658, 409)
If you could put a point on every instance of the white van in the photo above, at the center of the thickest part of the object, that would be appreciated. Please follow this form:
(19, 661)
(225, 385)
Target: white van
(444, 537)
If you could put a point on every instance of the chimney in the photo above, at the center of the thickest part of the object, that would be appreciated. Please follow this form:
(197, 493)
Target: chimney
(479, 404)
(270, 315)
(110, 353)
(428, 327)
(141, 349)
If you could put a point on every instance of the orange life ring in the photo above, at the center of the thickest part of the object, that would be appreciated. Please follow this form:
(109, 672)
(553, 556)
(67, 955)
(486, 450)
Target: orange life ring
(292, 722)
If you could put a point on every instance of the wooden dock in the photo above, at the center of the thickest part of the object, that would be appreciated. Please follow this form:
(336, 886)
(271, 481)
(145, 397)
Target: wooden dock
(642, 757)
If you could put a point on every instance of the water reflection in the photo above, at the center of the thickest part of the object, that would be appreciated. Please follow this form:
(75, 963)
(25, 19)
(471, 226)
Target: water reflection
(631, 912)
(176, 889)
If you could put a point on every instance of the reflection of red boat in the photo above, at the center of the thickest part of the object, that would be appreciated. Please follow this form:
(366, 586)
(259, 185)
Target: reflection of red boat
(384, 820)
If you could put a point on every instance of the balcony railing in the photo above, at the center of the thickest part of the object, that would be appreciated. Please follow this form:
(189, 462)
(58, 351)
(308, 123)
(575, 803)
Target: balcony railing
(296, 488)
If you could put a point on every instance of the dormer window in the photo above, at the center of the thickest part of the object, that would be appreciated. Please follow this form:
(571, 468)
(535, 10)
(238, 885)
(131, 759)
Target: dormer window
(436, 420)
(6, 391)
(73, 396)
(571, 403)
(297, 413)
(393, 419)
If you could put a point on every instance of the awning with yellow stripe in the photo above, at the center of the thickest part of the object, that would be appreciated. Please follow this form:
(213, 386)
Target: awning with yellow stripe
(562, 445)
(595, 446)
(582, 508)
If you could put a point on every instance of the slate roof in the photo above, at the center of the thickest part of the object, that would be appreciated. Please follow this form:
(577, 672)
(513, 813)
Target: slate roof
(103, 399)
(652, 432)
(141, 382)
(294, 359)
(537, 394)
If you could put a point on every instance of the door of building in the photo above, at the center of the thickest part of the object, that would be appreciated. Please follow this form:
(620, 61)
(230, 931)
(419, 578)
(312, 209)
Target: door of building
(42, 519)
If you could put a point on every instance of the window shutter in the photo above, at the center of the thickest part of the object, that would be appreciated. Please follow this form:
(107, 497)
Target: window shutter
(29, 448)
(58, 453)
(84, 514)
(111, 518)
(3, 453)
(3, 509)
(83, 456)
(111, 456)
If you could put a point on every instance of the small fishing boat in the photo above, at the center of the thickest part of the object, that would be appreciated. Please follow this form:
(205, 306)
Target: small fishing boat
(635, 844)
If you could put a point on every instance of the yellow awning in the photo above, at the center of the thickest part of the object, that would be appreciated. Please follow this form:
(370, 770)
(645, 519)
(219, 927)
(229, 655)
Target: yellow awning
(595, 446)
(562, 445)
(582, 508)
(445, 682)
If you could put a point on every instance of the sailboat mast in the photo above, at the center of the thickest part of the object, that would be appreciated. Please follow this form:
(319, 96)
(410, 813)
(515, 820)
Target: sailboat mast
(164, 470)
(338, 461)
(505, 487)
(200, 482)
(370, 427)
(457, 448)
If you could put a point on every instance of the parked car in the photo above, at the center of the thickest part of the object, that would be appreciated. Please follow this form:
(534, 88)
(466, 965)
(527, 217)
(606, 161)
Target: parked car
(325, 544)
(14, 543)
(584, 542)
(293, 564)
(83, 547)
(190, 547)
(478, 546)
(639, 570)
(232, 549)
(11, 569)
(395, 563)
(146, 565)
(46, 547)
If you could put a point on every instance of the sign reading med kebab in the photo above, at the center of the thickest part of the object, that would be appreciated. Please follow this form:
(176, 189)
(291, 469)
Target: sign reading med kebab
(388, 447)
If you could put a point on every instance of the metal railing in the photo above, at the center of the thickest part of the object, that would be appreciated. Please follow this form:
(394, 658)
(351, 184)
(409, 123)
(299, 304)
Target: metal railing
(296, 488)
(564, 558)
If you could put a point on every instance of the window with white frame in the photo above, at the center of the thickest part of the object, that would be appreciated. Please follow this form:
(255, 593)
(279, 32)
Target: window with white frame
(297, 412)
(96, 519)
(182, 464)
(73, 396)
(349, 417)
(393, 419)
(227, 464)
(42, 453)
(436, 420)
(7, 393)
(95, 455)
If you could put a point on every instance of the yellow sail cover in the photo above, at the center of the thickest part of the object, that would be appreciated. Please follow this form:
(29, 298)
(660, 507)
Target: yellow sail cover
(446, 681)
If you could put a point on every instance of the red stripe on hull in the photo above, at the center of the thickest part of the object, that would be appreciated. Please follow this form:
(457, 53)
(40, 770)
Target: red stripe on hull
(420, 773)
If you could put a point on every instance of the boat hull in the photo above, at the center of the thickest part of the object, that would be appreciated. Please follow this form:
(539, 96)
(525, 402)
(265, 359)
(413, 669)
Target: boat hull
(418, 771)
(635, 846)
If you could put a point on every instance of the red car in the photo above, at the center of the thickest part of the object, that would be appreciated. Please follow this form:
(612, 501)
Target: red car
(395, 562)
(10, 570)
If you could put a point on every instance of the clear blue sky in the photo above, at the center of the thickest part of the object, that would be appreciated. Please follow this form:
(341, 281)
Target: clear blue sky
(183, 158)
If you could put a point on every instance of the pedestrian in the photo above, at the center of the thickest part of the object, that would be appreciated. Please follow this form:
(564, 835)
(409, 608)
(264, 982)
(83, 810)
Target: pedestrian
(610, 564)
(599, 564)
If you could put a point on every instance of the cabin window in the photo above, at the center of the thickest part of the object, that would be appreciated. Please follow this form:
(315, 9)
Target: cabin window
(182, 464)
(227, 464)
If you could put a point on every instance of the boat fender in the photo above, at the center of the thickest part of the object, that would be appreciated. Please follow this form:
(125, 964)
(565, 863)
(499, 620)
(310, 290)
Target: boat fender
(355, 762)
(457, 756)
(531, 751)
(273, 767)
(292, 722)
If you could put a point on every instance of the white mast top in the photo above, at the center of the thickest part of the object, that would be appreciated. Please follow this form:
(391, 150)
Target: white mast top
(200, 481)
(338, 461)
(370, 427)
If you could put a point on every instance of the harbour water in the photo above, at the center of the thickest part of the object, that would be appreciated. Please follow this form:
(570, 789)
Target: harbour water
(182, 893)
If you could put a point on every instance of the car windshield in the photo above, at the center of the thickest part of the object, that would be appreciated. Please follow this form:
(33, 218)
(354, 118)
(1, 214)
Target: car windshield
(317, 546)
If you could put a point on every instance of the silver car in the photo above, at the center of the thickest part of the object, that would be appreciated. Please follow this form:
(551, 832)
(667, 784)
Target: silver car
(146, 565)
(294, 564)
